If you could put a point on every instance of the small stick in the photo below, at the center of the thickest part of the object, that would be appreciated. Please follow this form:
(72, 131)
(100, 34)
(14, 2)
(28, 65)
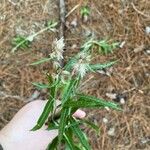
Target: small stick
(62, 9)
(139, 12)
(72, 10)
(62, 14)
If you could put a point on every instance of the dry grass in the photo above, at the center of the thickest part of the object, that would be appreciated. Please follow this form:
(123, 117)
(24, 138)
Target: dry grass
(116, 20)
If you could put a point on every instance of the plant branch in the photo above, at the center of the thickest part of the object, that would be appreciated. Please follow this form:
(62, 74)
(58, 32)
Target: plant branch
(31, 37)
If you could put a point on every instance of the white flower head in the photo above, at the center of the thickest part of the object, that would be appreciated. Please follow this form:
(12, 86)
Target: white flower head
(59, 45)
(82, 66)
(81, 69)
(57, 54)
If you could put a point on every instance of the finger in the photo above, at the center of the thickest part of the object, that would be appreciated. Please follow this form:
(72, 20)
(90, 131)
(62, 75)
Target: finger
(42, 138)
(79, 114)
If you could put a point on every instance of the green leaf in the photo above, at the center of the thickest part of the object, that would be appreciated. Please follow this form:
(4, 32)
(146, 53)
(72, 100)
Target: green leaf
(74, 124)
(20, 42)
(87, 46)
(85, 11)
(78, 148)
(40, 85)
(53, 144)
(82, 104)
(53, 85)
(67, 147)
(115, 45)
(51, 24)
(69, 88)
(43, 60)
(78, 122)
(85, 101)
(100, 102)
(71, 146)
(78, 132)
(105, 47)
(96, 67)
(52, 126)
(69, 141)
(75, 148)
(63, 123)
(20, 39)
(25, 41)
(47, 109)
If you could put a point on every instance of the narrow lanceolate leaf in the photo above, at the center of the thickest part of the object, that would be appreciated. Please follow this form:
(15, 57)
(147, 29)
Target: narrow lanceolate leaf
(63, 123)
(91, 124)
(80, 135)
(74, 124)
(52, 126)
(20, 42)
(69, 141)
(53, 144)
(83, 104)
(68, 90)
(90, 102)
(96, 67)
(53, 91)
(52, 85)
(77, 148)
(40, 85)
(100, 102)
(47, 109)
(43, 60)
(51, 24)
(87, 46)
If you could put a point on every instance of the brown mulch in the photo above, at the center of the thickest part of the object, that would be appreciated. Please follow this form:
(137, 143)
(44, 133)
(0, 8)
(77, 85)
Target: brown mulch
(116, 20)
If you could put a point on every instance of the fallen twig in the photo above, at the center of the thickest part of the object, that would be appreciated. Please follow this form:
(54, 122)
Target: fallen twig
(139, 12)
(62, 11)
(72, 10)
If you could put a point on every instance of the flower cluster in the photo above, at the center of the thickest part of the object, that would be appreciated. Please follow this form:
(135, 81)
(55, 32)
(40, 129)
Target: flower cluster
(82, 66)
(57, 54)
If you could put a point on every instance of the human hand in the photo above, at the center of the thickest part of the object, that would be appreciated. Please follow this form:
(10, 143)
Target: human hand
(16, 135)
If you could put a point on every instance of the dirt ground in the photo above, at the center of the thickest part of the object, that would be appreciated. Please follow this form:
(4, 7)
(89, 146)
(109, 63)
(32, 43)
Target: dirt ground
(125, 21)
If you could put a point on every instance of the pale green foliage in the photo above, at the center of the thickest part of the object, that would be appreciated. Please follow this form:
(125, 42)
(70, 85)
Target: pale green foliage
(103, 46)
(41, 61)
(20, 39)
(40, 85)
(23, 42)
(85, 11)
